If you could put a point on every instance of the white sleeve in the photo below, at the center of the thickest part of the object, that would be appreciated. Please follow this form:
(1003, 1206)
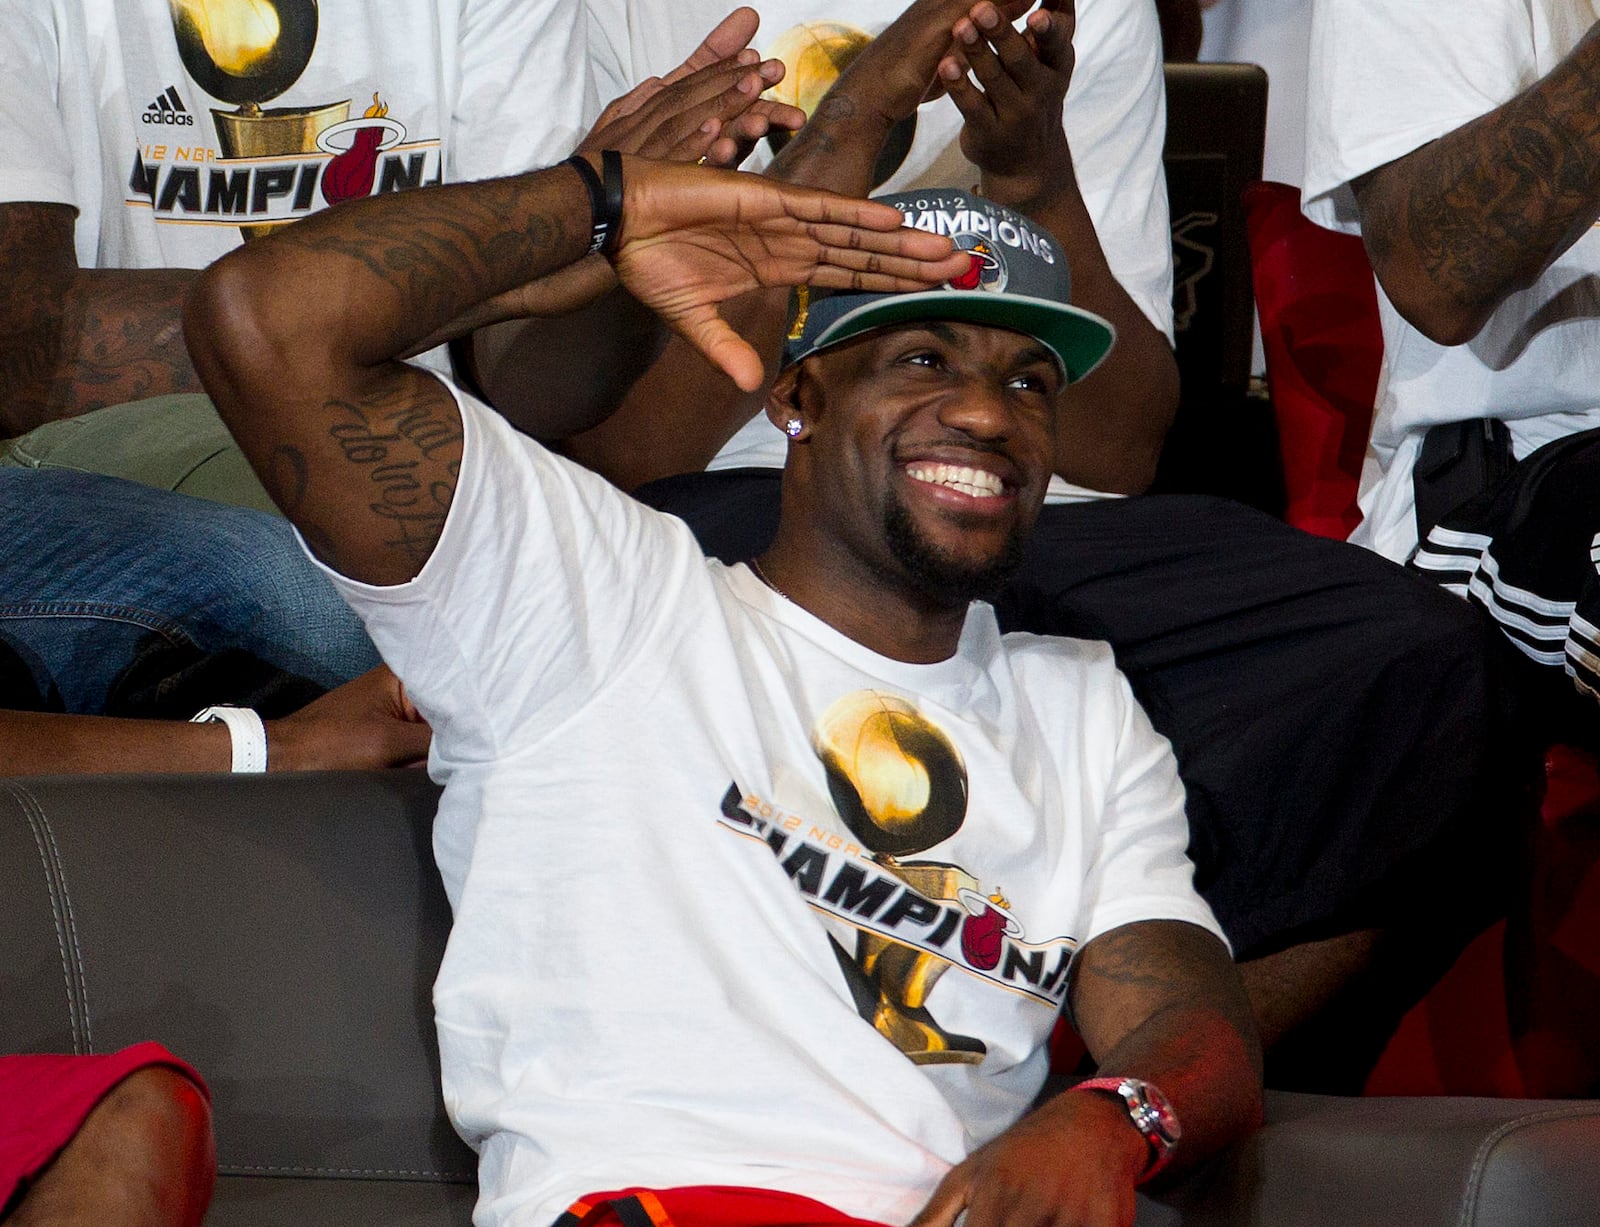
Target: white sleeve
(1115, 118)
(1386, 78)
(610, 55)
(35, 157)
(545, 582)
(1142, 870)
(525, 97)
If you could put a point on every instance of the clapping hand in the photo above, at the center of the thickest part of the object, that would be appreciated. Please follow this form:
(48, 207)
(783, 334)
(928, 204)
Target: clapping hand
(708, 109)
(1013, 131)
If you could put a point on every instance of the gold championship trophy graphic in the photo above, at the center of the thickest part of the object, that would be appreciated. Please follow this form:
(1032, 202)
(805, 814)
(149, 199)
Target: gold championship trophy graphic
(814, 53)
(901, 787)
(247, 52)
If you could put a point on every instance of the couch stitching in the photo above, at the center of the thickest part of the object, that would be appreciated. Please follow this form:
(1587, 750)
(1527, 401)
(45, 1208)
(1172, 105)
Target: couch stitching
(53, 886)
(72, 929)
(1480, 1159)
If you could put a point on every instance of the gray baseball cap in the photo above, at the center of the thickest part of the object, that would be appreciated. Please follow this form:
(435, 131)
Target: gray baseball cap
(1018, 280)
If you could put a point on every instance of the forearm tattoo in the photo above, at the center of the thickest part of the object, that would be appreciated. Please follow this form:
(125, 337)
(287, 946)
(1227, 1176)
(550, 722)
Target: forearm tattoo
(76, 340)
(438, 256)
(1158, 967)
(1485, 208)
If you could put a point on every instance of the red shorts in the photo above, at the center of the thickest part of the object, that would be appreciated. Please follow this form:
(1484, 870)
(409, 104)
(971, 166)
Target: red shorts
(44, 1100)
(704, 1205)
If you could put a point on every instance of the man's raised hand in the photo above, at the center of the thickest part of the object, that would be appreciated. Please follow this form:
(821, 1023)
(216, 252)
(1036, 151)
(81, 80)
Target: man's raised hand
(694, 237)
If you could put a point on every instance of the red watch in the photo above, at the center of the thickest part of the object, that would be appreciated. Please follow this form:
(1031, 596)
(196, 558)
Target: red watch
(1150, 1112)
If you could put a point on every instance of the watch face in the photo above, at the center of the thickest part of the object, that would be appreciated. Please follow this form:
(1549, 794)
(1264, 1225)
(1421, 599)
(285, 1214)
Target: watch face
(1150, 1111)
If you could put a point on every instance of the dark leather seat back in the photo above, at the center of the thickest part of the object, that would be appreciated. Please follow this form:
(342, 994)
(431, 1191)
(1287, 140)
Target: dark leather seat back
(282, 934)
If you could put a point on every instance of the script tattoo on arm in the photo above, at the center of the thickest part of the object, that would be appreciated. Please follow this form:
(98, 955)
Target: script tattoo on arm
(375, 505)
(405, 457)
(409, 455)
(74, 339)
(1456, 226)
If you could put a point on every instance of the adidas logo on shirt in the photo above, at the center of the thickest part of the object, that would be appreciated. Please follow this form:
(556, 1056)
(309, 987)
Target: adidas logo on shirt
(168, 108)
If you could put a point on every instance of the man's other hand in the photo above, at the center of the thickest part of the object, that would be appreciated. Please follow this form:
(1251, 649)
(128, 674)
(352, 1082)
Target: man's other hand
(1071, 1163)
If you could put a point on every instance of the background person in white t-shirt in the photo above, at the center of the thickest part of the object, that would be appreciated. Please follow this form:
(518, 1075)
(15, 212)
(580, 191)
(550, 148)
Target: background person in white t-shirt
(140, 136)
(139, 140)
(658, 977)
(1460, 142)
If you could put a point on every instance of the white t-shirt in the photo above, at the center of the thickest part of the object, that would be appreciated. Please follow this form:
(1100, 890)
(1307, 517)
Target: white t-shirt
(659, 912)
(1115, 117)
(1385, 80)
(1276, 34)
(97, 110)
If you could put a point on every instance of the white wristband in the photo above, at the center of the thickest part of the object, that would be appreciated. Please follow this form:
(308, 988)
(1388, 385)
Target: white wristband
(245, 730)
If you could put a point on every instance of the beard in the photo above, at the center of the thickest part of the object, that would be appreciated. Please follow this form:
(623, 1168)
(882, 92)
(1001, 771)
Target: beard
(938, 575)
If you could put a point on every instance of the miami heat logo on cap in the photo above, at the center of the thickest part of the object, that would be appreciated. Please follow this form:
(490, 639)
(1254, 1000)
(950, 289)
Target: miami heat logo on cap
(988, 269)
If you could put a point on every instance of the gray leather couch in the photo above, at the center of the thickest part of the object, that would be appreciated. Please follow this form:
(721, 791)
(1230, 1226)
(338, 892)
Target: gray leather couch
(282, 933)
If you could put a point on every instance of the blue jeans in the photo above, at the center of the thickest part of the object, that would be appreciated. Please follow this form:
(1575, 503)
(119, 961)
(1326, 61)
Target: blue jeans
(97, 566)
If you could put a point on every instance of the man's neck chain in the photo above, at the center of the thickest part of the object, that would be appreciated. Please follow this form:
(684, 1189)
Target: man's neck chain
(755, 566)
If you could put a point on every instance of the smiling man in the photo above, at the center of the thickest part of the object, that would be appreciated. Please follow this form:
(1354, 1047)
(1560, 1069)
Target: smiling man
(941, 500)
(769, 883)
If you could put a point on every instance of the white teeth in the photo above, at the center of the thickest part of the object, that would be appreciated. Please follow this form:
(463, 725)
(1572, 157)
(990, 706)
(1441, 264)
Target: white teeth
(978, 483)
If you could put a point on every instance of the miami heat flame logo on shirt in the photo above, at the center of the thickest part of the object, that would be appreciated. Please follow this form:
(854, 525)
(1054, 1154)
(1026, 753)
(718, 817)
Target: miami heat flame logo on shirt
(355, 165)
(984, 931)
(270, 164)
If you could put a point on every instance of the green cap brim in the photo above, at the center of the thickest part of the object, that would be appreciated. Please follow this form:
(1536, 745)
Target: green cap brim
(1079, 339)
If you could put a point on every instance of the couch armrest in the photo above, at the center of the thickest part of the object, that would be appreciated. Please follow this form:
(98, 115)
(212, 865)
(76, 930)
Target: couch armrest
(1425, 1162)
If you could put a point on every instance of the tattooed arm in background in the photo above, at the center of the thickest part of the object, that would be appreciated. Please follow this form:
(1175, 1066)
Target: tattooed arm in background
(297, 336)
(1158, 1000)
(1114, 421)
(1455, 227)
(74, 339)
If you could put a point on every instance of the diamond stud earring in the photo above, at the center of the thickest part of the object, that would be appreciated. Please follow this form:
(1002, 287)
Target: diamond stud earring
(793, 427)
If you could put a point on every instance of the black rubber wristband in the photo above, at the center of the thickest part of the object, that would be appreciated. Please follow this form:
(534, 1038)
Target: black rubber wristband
(605, 199)
(611, 173)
